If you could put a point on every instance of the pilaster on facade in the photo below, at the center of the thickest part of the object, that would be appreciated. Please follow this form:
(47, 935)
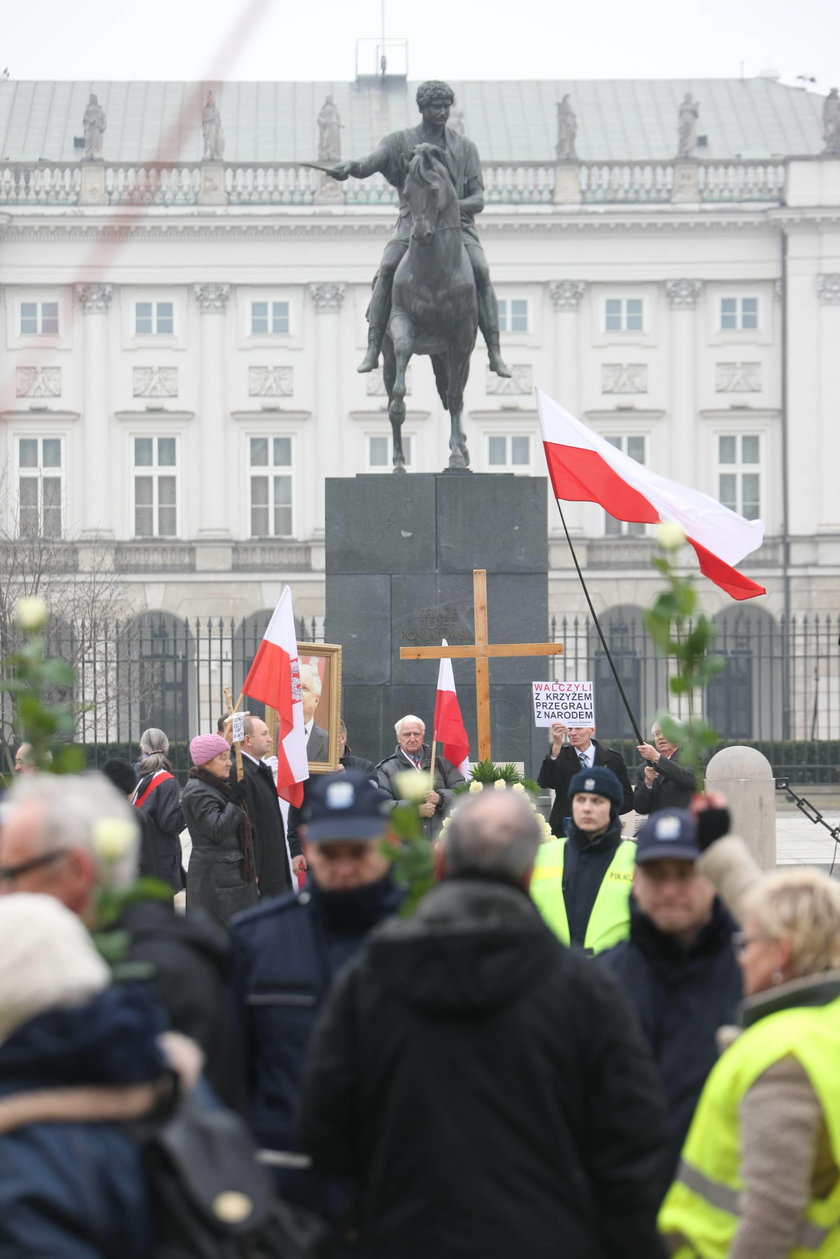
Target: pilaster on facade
(828, 288)
(683, 294)
(327, 296)
(212, 298)
(566, 294)
(94, 298)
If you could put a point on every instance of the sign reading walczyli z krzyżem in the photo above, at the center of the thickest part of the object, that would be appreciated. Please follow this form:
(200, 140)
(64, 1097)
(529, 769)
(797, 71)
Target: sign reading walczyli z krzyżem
(571, 703)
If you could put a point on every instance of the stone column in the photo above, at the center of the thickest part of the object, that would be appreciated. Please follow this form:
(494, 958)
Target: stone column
(98, 474)
(682, 298)
(746, 779)
(565, 298)
(212, 484)
(332, 437)
(828, 296)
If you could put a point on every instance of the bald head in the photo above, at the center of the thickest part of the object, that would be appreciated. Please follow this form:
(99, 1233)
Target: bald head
(496, 834)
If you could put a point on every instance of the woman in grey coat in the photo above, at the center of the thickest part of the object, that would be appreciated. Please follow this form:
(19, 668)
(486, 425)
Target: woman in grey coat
(221, 878)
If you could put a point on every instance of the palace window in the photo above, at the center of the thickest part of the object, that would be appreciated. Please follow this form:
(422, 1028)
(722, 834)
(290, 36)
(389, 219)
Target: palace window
(624, 314)
(513, 314)
(635, 447)
(739, 473)
(155, 477)
(739, 314)
(154, 318)
(270, 489)
(509, 452)
(40, 486)
(269, 317)
(39, 319)
(380, 452)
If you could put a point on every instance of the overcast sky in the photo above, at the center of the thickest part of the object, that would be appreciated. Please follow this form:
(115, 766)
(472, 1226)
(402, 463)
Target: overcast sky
(458, 39)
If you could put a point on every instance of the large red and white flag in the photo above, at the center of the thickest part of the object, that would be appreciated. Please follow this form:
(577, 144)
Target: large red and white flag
(449, 724)
(274, 679)
(585, 468)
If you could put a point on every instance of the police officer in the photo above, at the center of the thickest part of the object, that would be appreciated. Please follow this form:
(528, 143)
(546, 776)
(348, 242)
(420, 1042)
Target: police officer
(582, 884)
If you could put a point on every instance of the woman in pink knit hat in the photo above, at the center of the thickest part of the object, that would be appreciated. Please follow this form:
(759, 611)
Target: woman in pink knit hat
(221, 878)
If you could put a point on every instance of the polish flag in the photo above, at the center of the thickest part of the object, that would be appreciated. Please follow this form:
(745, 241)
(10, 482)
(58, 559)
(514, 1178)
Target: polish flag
(585, 468)
(274, 679)
(449, 724)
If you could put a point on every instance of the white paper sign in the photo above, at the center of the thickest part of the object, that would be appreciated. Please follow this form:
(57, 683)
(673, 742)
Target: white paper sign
(238, 727)
(572, 703)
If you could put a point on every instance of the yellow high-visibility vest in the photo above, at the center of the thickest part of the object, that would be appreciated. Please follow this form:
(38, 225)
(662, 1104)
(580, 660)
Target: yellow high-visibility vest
(703, 1204)
(609, 922)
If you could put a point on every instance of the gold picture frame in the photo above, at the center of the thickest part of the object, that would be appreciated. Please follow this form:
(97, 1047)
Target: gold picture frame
(320, 663)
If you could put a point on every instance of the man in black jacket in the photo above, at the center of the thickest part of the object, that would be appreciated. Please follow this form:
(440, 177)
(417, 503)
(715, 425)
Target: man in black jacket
(564, 760)
(661, 782)
(678, 967)
(268, 834)
(488, 1087)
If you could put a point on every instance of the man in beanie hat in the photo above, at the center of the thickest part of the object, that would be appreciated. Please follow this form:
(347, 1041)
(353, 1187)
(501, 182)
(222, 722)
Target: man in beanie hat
(677, 967)
(287, 952)
(582, 883)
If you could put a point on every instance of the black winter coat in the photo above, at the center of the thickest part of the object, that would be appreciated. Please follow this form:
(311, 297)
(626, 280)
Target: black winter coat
(446, 777)
(216, 875)
(271, 856)
(558, 773)
(490, 1089)
(672, 789)
(682, 996)
(163, 822)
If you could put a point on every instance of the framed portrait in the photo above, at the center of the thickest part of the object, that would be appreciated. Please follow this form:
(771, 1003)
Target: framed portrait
(320, 688)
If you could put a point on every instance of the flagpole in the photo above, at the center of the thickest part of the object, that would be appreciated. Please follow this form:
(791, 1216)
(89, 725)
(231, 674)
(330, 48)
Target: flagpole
(597, 624)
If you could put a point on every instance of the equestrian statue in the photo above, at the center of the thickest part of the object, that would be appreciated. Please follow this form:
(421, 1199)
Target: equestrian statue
(433, 286)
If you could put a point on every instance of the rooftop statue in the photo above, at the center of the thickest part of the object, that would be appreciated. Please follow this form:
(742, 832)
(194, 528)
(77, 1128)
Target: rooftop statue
(329, 132)
(211, 128)
(689, 112)
(831, 124)
(94, 123)
(566, 131)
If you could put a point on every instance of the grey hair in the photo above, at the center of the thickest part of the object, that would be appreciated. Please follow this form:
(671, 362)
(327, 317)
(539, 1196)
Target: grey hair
(398, 725)
(71, 805)
(154, 746)
(316, 677)
(493, 833)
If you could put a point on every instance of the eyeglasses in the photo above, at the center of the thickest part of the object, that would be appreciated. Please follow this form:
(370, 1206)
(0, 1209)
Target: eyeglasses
(8, 874)
(741, 941)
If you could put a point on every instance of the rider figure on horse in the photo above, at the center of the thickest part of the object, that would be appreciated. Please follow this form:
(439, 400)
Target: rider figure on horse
(391, 157)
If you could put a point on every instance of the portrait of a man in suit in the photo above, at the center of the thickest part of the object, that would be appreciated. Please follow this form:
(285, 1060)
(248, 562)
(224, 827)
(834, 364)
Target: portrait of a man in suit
(317, 739)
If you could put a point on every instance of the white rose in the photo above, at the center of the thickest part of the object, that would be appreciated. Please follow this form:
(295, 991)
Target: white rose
(31, 612)
(669, 535)
(518, 787)
(113, 837)
(476, 786)
(500, 785)
(413, 785)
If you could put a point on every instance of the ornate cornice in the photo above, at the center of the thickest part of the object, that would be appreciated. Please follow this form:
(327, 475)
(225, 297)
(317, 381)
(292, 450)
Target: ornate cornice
(327, 296)
(94, 298)
(683, 294)
(212, 298)
(566, 294)
(828, 288)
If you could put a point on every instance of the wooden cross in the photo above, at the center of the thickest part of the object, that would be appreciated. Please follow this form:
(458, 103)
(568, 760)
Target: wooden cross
(480, 651)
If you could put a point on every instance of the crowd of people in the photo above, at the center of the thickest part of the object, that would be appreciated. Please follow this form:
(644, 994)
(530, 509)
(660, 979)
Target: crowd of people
(593, 1045)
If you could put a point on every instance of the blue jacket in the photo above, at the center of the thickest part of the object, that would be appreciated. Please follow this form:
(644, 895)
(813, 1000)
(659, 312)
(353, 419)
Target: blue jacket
(285, 957)
(682, 996)
(78, 1190)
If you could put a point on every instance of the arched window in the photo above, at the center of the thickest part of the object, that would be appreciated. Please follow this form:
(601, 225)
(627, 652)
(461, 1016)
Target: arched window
(246, 639)
(643, 674)
(156, 676)
(744, 701)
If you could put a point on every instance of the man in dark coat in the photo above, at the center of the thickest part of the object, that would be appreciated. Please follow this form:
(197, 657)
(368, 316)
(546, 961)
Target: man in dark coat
(413, 755)
(661, 782)
(488, 1087)
(678, 967)
(564, 760)
(286, 954)
(268, 834)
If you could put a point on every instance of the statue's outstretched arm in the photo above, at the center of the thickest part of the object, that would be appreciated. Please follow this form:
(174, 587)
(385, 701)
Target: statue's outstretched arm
(362, 169)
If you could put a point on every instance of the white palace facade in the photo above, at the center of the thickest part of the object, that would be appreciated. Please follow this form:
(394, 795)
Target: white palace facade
(180, 334)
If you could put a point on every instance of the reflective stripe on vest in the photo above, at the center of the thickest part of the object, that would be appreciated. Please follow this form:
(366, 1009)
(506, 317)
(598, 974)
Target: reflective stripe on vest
(609, 921)
(704, 1204)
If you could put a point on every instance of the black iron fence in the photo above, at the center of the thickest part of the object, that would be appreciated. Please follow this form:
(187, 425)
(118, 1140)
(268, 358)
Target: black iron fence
(779, 688)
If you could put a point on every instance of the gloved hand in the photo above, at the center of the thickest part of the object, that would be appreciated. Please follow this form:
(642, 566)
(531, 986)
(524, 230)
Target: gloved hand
(237, 792)
(712, 823)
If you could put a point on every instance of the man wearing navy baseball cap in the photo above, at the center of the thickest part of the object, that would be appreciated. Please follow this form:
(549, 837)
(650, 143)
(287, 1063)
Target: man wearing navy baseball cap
(677, 967)
(582, 883)
(287, 952)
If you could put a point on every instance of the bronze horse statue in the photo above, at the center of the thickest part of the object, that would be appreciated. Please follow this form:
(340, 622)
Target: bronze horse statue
(434, 309)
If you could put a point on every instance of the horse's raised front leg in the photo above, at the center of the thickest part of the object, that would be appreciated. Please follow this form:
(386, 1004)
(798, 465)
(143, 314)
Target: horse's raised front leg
(400, 339)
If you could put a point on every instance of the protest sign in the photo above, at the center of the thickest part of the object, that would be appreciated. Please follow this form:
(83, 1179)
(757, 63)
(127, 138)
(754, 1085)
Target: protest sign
(572, 703)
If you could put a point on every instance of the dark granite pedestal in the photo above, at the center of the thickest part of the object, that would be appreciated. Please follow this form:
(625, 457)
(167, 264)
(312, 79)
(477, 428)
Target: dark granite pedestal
(400, 554)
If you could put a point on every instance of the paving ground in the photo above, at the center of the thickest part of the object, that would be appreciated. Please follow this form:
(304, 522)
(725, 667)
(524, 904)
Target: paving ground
(801, 842)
